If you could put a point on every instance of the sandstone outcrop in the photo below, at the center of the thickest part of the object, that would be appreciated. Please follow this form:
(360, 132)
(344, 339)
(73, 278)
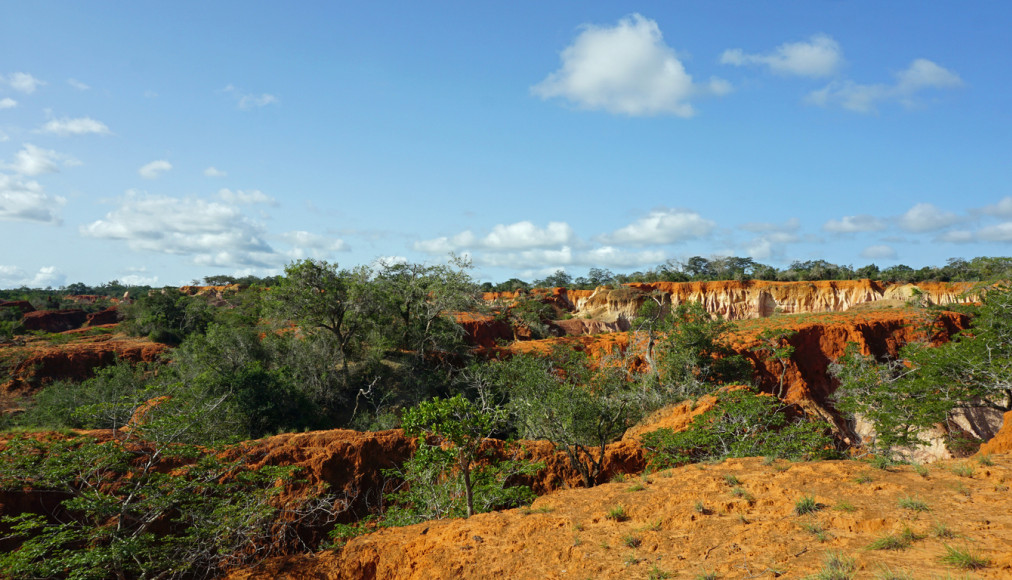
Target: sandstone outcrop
(54, 320)
(734, 300)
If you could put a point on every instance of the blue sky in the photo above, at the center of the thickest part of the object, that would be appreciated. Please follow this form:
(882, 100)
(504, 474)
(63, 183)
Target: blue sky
(157, 143)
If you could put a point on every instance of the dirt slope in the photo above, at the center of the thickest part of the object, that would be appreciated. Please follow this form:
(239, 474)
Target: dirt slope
(569, 534)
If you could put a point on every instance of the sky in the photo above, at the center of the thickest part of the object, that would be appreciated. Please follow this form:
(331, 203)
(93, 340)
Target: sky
(160, 142)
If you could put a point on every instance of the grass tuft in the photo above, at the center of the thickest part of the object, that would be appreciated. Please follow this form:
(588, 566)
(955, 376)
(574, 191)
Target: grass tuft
(806, 505)
(914, 505)
(836, 566)
(964, 559)
(617, 514)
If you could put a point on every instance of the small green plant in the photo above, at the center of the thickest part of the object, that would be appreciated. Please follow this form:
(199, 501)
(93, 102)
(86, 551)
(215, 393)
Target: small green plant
(707, 576)
(914, 505)
(882, 462)
(632, 560)
(845, 506)
(920, 469)
(700, 507)
(886, 573)
(619, 477)
(836, 566)
(864, 478)
(942, 531)
(631, 541)
(656, 573)
(743, 494)
(617, 514)
(963, 470)
(961, 489)
(806, 505)
(732, 480)
(964, 559)
(985, 460)
(637, 487)
(655, 526)
(576, 540)
(890, 542)
(817, 530)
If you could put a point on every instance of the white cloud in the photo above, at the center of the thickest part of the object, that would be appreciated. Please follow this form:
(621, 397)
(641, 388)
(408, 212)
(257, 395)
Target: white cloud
(32, 160)
(308, 245)
(155, 169)
(80, 126)
(214, 234)
(214, 172)
(23, 82)
(138, 280)
(855, 223)
(46, 277)
(3, 137)
(1001, 209)
(662, 226)
(997, 233)
(520, 235)
(771, 245)
(8, 103)
(247, 102)
(820, 56)
(879, 252)
(240, 196)
(956, 237)
(925, 217)
(27, 201)
(626, 69)
(526, 235)
(77, 84)
(922, 74)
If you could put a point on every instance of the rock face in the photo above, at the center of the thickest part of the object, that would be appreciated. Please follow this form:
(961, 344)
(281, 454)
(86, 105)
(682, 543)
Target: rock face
(108, 316)
(23, 305)
(54, 320)
(617, 307)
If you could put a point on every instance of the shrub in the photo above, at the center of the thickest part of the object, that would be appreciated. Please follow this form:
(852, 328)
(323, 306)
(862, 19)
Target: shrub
(806, 505)
(742, 424)
(964, 559)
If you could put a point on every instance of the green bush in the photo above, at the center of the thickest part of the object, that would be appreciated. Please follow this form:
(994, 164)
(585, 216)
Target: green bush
(741, 424)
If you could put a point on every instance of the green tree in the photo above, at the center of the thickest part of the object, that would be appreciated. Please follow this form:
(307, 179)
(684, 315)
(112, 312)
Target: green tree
(458, 422)
(562, 399)
(774, 344)
(320, 297)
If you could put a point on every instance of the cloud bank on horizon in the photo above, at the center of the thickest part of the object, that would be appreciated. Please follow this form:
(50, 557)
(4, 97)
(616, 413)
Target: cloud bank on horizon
(657, 143)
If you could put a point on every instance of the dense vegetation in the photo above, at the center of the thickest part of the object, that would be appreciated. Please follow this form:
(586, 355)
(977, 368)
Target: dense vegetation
(367, 348)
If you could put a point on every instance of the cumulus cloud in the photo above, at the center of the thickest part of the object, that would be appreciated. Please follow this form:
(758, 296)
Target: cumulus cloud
(1001, 209)
(23, 82)
(819, 56)
(8, 103)
(214, 234)
(46, 277)
(956, 237)
(925, 217)
(526, 235)
(79, 126)
(997, 233)
(626, 69)
(770, 245)
(520, 235)
(855, 223)
(155, 169)
(214, 172)
(308, 245)
(921, 75)
(32, 160)
(138, 280)
(240, 196)
(27, 201)
(879, 252)
(662, 226)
